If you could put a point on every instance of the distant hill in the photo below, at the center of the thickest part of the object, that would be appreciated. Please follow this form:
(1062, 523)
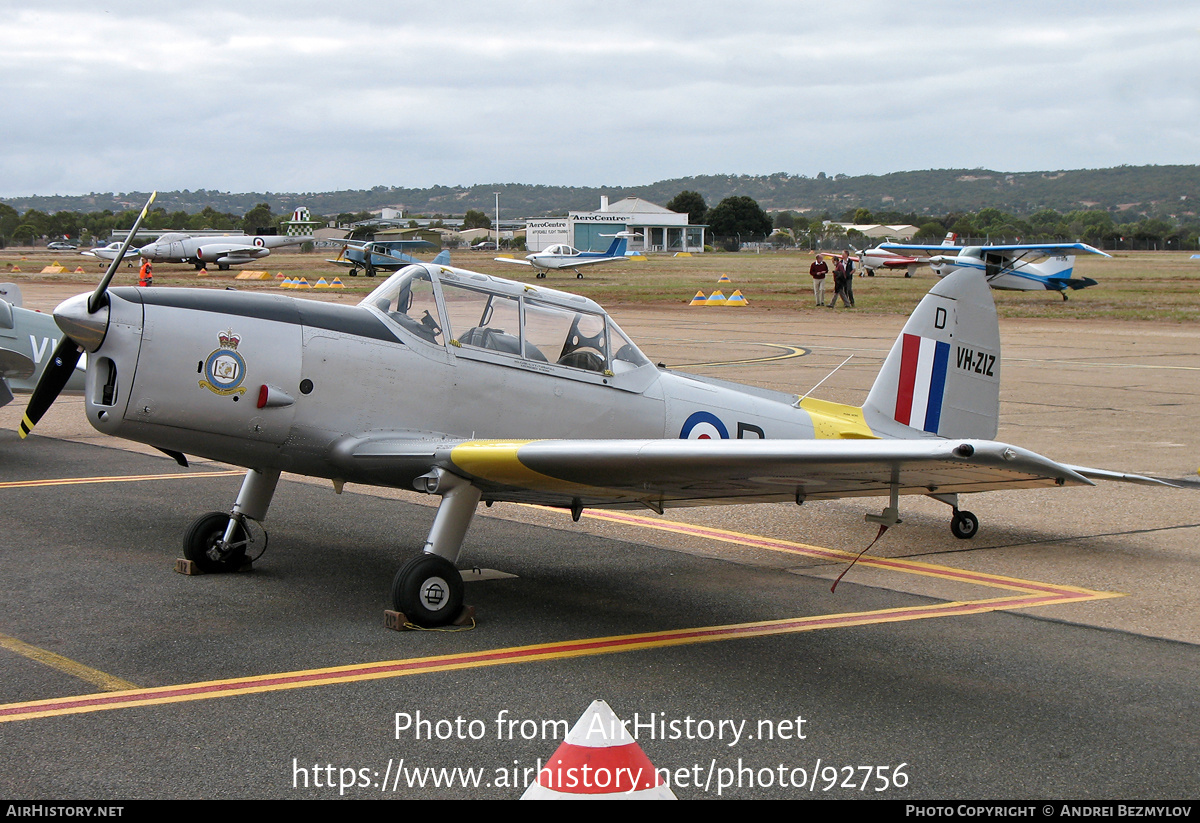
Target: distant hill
(1158, 190)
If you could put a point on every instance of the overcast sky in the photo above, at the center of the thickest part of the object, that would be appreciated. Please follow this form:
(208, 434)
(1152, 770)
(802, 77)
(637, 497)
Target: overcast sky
(100, 95)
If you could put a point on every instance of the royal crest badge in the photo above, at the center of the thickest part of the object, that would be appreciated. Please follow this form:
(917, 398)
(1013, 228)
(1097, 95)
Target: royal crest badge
(224, 369)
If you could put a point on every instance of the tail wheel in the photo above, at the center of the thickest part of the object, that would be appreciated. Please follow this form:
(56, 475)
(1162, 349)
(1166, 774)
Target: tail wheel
(429, 590)
(964, 525)
(201, 539)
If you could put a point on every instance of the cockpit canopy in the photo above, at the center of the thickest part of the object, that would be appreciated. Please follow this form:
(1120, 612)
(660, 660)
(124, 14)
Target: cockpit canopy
(468, 311)
(562, 249)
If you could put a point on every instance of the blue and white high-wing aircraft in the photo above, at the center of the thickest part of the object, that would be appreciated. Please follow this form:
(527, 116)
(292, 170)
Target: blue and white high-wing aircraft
(562, 256)
(1015, 267)
(474, 388)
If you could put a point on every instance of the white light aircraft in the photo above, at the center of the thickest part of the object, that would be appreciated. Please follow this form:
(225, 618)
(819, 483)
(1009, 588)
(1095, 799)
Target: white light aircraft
(475, 388)
(1014, 267)
(562, 256)
(882, 257)
(110, 252)
(225, 250)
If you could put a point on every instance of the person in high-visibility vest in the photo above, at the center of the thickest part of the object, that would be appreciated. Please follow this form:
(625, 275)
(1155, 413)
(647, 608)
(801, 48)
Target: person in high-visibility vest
(146, 274)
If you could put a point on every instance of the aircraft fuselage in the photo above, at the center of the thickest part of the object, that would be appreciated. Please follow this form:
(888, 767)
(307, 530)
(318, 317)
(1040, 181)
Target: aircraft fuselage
(275, 382)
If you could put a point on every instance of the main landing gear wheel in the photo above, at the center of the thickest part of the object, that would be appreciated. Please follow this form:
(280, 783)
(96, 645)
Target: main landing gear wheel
(578, 275)
(964, 525)
(201, 539)
(429, 591)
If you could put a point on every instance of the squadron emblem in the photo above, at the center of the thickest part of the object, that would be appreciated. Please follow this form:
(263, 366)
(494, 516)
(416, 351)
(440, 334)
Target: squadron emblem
(224, 370)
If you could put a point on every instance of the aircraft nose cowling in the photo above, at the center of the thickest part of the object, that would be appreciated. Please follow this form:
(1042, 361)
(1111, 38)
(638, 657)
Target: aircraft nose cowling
(84, 327)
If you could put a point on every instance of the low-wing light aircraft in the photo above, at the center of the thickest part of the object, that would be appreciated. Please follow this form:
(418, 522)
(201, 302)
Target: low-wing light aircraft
(383, 255)
(562, 256)
(882, 257)
(475, 388)
(225, 250)
(879, 258)
(109, 252)
(1015, 267)
(27, 339)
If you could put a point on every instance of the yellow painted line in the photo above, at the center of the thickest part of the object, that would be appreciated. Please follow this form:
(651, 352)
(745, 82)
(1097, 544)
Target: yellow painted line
(1027, 594)
(558, 650)
(66, 665)
(788, 353)
(125, 478)
(836, 555)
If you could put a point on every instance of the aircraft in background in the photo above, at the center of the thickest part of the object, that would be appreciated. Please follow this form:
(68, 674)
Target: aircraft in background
(224, 250)
(475, 388)
(27, 340)
(1013, 267)
(563, 256)
(382, 255)
(884, 258)
(110, 252)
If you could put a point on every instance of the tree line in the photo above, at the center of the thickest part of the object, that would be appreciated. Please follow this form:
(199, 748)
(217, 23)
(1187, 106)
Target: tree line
(732, 222)
(95, 227)
(1096, 227)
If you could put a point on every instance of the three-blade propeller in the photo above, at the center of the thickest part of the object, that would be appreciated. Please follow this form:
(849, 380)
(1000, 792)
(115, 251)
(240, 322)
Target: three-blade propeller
(68, 351)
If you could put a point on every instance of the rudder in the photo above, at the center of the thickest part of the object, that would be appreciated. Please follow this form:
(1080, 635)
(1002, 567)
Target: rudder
(942, 375)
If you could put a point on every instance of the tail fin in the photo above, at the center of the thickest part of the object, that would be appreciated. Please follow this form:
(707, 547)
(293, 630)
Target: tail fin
(442, 259)
(1055, 268)
(617, 248)
(942, 375)
(951, 239)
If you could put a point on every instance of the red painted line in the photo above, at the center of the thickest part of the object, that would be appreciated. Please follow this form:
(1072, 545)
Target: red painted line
(131, 478)
(518, 654)
(895, 564)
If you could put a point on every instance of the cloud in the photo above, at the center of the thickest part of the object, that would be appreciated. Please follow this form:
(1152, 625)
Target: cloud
(313, 96)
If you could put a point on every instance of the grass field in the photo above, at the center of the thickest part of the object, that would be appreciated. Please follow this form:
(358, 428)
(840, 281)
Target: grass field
(1157, 286)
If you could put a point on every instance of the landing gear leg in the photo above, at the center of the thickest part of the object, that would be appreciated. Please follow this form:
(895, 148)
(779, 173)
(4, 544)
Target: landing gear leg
(428, 589)
(216, 542)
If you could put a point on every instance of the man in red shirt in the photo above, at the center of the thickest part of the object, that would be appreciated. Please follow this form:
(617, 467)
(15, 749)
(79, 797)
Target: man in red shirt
(818, 270)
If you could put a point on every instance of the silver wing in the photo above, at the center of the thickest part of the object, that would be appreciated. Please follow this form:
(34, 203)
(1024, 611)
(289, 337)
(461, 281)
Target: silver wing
(666, 473)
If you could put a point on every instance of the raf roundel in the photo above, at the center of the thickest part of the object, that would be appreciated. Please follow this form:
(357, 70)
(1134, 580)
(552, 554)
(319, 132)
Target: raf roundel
(703, 425)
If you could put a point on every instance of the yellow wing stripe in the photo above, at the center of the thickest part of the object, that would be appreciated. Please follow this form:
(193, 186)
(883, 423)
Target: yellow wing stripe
(497, 461)
(836, 421)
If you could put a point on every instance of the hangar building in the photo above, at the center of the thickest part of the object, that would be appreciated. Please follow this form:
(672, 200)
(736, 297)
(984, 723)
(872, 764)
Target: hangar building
(660, 229)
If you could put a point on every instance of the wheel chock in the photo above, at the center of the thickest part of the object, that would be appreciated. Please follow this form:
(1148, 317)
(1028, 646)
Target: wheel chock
(185, 566)
(398, 621)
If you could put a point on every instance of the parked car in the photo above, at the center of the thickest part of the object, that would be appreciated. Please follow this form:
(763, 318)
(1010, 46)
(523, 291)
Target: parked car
(486, 245)
(61, 245)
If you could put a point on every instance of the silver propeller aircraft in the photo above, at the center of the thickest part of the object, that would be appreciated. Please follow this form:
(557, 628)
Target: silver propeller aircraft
(27, 340)
(225, 251)
(475, 388)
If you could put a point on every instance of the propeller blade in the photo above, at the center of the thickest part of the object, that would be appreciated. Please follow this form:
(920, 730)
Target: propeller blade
(68, 351)
(96, 300)
(54, 378)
